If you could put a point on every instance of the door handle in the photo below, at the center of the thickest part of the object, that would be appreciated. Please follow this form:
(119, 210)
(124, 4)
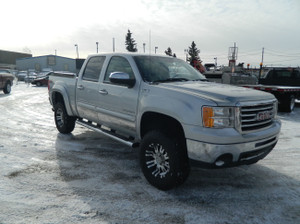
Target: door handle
(103, 92)
(81, 87)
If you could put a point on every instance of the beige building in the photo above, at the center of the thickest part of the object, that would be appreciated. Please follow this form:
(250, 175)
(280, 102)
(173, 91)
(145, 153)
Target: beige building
(8, 58)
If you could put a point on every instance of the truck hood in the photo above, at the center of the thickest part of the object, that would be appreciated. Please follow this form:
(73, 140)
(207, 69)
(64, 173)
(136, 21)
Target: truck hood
(7, 76)
(221, 94)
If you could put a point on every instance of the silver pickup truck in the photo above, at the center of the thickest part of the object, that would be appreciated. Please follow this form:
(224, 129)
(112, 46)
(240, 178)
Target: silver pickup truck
(168, 110)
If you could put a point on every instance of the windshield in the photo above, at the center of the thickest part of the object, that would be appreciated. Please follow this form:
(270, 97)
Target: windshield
(166, 69)
(4, 71)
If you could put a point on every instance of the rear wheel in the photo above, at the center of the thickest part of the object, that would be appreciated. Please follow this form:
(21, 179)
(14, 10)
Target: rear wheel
(287, 104)
(7, 88)
(163, 161)
(64, 123)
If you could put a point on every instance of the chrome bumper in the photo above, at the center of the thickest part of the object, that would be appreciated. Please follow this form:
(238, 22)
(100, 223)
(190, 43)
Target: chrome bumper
(238, 153)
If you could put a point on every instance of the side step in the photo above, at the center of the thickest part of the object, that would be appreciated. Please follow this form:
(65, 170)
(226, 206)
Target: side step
(108, 133)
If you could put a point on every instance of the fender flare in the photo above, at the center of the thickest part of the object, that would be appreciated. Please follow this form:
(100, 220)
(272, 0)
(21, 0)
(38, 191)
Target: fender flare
(62, 91)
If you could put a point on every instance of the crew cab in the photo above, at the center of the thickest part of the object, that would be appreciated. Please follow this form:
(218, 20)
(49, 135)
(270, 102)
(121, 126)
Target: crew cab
(6, 80)
(168, 111)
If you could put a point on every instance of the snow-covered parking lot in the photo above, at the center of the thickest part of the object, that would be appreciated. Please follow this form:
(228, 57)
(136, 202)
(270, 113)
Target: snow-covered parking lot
(84, 177)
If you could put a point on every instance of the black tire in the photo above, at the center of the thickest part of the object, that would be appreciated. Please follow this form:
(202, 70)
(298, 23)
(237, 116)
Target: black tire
(38, 84)
(163, 161)
(287, 104)
(64, 123)
(7, 88)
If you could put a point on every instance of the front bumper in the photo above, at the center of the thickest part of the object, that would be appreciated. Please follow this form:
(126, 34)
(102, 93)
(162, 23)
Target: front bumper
(218, 155)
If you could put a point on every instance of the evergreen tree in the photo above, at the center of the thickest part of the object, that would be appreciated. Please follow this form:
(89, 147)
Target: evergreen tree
(169, 52)
(130, 42)
(193, 54)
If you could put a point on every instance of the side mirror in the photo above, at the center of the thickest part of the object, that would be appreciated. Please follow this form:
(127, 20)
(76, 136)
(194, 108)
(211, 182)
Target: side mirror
(121, 78)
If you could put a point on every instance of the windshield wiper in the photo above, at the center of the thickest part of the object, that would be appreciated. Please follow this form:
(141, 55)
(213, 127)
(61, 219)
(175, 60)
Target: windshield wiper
(172, 80)
(203, 80)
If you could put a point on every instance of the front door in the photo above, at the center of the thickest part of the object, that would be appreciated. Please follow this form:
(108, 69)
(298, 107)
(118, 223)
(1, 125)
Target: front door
(118, 103)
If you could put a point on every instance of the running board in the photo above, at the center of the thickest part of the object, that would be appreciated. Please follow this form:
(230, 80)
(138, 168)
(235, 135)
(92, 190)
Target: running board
(111, 134)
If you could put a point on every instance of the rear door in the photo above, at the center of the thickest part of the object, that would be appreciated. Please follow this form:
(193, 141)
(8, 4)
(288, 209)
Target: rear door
(87, 92)
(118, 104)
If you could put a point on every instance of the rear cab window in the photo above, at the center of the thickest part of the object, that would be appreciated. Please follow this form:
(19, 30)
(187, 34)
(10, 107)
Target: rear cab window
(93, 69)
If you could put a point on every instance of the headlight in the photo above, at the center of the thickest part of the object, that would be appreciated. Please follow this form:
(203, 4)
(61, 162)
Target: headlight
(218, 117)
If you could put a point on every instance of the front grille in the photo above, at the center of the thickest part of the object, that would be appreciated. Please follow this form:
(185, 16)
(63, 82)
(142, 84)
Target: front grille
(257, 116)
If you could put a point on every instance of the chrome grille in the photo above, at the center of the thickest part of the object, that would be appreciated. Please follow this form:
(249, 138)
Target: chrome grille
(254, 117)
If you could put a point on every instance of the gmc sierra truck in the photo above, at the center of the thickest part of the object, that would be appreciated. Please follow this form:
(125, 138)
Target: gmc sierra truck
(169, 111)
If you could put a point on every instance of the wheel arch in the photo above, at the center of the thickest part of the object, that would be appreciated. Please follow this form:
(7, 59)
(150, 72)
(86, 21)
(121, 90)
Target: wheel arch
(167, 124)
(58, 96)
(8, 81)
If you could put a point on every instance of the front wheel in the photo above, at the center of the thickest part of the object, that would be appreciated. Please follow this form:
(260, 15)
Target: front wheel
(7, 88)
(163, 161)
(64, 123)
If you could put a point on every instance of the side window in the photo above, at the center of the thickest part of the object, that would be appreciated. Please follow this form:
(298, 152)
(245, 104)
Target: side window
(118, 64)
(93, 69)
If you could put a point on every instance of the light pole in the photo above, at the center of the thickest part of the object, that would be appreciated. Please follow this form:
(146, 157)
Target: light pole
(114, 48)
(144, 45)
(76, 46)
(97, 46)
(156, 49)
(186, 51)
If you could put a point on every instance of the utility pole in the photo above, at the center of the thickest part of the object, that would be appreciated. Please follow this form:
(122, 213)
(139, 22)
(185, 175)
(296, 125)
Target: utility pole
(149, 42)
(114, 45)
(262, 55)
(97, 46)
(232, 57)
(144, 45)
(76, 45)
(216, 61)
(261, 63)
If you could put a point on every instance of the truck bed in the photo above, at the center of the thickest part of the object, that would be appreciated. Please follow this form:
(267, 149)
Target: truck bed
(270, 88)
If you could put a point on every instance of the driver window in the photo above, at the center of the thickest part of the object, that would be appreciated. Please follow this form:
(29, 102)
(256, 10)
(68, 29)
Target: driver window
(118, 64)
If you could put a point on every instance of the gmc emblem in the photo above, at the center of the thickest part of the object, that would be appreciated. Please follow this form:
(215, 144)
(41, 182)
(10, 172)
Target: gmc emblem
(264, 115)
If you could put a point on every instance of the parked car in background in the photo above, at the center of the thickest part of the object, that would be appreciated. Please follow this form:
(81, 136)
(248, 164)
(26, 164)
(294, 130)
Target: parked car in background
(6, 80)
(284, 84)
(41, 79)
(21, 75)
(30, 77)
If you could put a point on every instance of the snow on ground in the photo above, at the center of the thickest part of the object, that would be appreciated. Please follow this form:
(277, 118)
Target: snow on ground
(84, 177)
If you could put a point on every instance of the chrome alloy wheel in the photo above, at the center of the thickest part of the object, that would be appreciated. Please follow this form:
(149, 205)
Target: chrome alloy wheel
(8, 87)
(59, 117)
(158, 160)
(292, 103)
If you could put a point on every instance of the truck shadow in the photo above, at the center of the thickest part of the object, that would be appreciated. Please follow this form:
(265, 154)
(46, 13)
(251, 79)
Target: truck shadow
(2, 95)
(98, 170)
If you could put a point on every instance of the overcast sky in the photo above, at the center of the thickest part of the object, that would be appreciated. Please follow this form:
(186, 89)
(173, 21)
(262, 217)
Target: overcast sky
(45, 26)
